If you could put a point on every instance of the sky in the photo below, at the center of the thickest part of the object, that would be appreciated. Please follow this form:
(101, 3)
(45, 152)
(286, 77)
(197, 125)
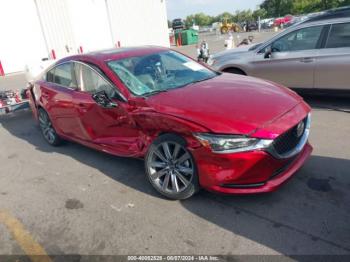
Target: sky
(183, 8)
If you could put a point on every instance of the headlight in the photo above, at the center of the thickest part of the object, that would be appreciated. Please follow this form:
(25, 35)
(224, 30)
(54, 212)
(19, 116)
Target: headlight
(231, 143)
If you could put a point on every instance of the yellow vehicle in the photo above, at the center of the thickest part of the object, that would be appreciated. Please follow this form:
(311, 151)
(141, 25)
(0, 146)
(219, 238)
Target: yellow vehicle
(227, 26)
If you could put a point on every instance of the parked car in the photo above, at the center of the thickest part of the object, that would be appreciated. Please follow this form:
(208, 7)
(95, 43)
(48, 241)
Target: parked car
(178, 24)
(281, 21)
(194, 127)
(311, 56)
(252, 26)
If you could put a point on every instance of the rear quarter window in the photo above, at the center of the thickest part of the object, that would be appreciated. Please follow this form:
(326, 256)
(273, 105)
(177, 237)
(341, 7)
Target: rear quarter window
(339, 36)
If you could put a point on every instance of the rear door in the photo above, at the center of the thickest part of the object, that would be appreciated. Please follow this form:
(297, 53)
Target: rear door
(292, 62)
(109, 128)
(333, 62)
(57, 97)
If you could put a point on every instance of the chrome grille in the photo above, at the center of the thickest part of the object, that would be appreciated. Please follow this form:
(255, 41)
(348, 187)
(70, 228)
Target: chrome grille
(289, 140)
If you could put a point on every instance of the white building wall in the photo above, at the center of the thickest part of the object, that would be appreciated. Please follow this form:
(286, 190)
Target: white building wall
(21, 40)
(90, 24)
(139, 22)
(57, 26)
(65, 25)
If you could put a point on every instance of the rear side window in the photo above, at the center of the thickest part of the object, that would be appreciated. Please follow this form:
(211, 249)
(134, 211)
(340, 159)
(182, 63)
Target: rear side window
(50, 76)
(62, 75)
(339, 36)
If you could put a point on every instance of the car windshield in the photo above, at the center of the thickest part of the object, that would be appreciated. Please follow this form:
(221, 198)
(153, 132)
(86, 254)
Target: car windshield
(255, 47)
(159, 72)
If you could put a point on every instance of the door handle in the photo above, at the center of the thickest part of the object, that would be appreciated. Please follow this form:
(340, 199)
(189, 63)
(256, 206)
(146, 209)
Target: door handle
(307, 60)
(82, 107)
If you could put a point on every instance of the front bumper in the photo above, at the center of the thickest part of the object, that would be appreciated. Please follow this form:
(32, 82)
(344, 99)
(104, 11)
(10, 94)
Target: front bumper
(246, 173)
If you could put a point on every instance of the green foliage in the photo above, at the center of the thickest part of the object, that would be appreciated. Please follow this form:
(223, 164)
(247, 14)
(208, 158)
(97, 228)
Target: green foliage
(200, 19)
(277, 8)
(268, 8)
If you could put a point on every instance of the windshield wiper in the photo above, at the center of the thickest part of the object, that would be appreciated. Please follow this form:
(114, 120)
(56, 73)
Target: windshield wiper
(156, 92)
(201, 80)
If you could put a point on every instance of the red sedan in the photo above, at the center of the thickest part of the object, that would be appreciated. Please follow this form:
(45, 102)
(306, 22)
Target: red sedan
(193, 126)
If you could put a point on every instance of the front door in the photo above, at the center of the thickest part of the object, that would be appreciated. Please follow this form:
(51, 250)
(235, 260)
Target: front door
(108, 127)
(292, 61)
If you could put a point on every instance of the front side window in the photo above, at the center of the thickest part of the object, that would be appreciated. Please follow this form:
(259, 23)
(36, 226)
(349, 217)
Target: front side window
(159, 72)
(90, 81)
(339, 36)
(299, 40)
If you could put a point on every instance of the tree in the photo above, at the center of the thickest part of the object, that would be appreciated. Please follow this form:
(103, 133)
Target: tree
(223, 16)
(200, 19)
(243, 16)
(268, 8)
(277, 8)
(261, 12)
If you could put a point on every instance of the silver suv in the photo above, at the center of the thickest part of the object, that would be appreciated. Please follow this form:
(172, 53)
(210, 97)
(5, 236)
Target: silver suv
(311, 55)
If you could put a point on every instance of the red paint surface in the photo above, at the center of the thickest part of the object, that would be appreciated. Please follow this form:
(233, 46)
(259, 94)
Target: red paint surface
(53, 54)
(283, 20)
(227, 104)
(2, 73)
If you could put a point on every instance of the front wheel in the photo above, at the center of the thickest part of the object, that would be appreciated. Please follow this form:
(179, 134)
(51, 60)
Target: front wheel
(171, 169)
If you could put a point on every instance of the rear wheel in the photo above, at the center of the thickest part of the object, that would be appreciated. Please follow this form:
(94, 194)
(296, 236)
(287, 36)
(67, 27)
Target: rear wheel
(171, 169)
(47, 129)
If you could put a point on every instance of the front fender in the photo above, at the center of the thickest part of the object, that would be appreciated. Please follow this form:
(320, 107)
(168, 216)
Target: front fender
(154, 124)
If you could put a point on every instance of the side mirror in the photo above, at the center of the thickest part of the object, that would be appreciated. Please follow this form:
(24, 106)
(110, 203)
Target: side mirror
(102, 99)
(268, 53)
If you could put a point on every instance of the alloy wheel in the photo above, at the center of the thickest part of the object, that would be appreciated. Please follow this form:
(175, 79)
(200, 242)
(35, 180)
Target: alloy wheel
(46, 127)
(170, 167)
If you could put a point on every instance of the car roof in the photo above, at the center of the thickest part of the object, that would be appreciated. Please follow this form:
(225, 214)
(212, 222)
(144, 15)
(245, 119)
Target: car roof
(303, 24)
(115, 53)
(329, 15)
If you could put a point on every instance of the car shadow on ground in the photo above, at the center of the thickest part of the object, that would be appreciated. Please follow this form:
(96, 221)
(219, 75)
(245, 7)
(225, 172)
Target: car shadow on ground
(128, 171)
(308, 214)
(341, 104)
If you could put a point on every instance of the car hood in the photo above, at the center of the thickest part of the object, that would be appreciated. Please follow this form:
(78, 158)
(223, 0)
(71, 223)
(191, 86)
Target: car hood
(227, 104)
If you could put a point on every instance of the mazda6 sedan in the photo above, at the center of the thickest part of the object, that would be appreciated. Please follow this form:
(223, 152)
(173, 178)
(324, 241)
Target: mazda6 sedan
(194, 127)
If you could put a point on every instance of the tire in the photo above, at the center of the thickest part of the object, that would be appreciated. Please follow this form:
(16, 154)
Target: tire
(224, 30)
(234, 71)
(47, 130)
(171, 169)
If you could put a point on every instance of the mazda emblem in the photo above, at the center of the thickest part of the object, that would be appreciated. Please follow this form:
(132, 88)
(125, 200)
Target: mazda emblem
(300, 129)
